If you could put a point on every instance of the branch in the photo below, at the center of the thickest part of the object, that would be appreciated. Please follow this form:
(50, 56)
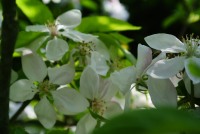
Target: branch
(9, 35)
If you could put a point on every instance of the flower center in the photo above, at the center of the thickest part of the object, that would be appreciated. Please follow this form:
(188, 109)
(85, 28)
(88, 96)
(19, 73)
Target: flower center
(191, 45)
(52, 28)
(86, 48)
(98, 106)
(45, 87)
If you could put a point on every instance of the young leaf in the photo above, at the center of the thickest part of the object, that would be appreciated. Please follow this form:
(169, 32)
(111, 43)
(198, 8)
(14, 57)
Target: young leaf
(104, 24)
(35, 10)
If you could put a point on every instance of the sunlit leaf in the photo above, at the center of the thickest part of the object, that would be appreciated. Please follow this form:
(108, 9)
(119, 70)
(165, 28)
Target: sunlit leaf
(35, 10)
(104, 24)
(25, 38)
(163, 121)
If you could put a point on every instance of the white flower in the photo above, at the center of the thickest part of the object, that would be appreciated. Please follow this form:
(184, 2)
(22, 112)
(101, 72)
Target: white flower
(93, 53)
(188, 83)
(66, 100)
(161, 95)
(99, 92)
(63, 25)
(189, 51)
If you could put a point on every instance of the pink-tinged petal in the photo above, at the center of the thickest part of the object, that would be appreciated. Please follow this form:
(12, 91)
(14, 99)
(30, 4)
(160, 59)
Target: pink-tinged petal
(45, 113)
(165, 43)
(162, 92)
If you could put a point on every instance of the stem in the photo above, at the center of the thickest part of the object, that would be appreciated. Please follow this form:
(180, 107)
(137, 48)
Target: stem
(19, 111)
(192, 104)
(9, 36)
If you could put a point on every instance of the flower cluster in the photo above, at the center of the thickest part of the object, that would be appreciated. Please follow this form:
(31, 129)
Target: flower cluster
(68, 72)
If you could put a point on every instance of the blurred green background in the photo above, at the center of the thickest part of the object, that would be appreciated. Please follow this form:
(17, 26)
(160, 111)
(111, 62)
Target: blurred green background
(177, 17)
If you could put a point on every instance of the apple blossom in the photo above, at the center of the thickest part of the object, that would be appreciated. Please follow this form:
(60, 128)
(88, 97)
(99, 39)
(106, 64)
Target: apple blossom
(66, 100)
(189, 53)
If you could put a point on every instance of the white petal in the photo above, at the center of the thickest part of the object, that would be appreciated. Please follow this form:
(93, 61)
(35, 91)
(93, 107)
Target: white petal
(124, 78)
(56, 48)
(77, 36)
(37, 43)
(61, 75)
(37, 28)
(22, 90)
(45, 113)
(144, 59)
(166, 68)
(89, 83)
(71, 18)
(187, 83)
(192, 67)
(165, 43)
(112, 109)
(99, 63)
(86, 125)
(33, 66)
(106, 89)
(162, 92)
(101, 48)
(14, 76)
(69, 101)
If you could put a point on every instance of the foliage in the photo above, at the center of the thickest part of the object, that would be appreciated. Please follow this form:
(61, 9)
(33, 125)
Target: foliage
(77, 75)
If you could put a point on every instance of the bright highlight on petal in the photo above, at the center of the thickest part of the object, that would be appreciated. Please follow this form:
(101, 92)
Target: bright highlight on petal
(71, 18)
(165, 43)
(166, 68)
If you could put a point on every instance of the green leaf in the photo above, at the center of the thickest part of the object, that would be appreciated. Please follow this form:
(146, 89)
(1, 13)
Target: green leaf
(104, 24)
(192, 67)
(57, 131)
(17, 130)
(162, 121)
(122, 39)
(35, 10)
(90, 4)
(25, 38)
(112, 42)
